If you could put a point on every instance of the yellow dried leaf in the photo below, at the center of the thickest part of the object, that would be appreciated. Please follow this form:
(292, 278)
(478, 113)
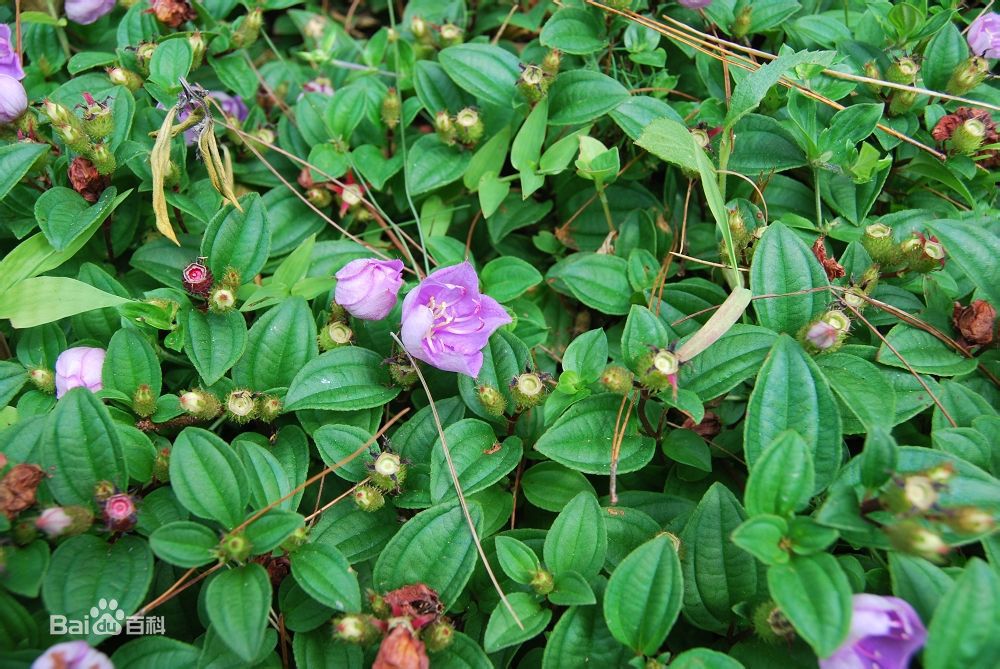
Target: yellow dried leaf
(159, 162)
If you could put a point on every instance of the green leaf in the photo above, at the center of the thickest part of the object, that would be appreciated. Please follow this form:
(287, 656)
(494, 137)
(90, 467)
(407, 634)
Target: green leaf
(340, 380)
(171, 61)
(16, 159)
(924, 352)
(45, 299)
(550, 486)
(270, 530)
(484, 70)
(581, 638)
(431, 164)
(121, 571)
(581, 438)
(963, 630)
(323, 572)
(131, 362)
(643, 330)
(527, 148)
(63, 215)
(749, 92)
(463, 653)
(571, 589)
(208, 477)
(717, 574)
(704, 658)
(155, 652)
(82, 447)
(782, 480)
(943, 55)
(503, 631)
(267, 480)
(25, 569)
(791, 394)
(214, 342)
(184, 543)
(587, 355)
(687, 448)
(12, 377)
(336, 443)
(582, 96)
(435, 90)
(237, 602)
(472, 443)
(279, 344)
(732, 359)
(644, 595)
(814, 594)
(973, 248)
(516, 559)
(578, 538)
(238, 239)
(508, 277)
(574, 31)
(860, 385)
(919, 582)
(782, 263)
(434, 548)
(762, 536)
(596, 279)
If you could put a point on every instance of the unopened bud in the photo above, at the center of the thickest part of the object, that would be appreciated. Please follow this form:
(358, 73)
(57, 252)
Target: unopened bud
(74, 137)
(103, 490)
(234, 547)
(469, 126)
(872, 71)
(968, 75)
(161, 465)
(528, 390)
(444, 128)
(450, 35)
(902, 102)
(391, 106)
(297, 539)
(23, 532)
(334, 335)
(903, 71)
(388, 472)
(617, 379)
(942, 473)
(826, 334)
(241, 406)
(658, 369)
(355, 629)
(319, 197)
(701, 137)
(270, 408)
(542, 582)
(57, 113)
(102, 158)
(43, 379)
(492, 400)
(143, 55)
(119, 76)
(200, 404)
(551, 61)
(911, 537)
(741, 26)
(197, 43)
(438, 635)
(247, 29)
(143, 402)
(971, 520)
(419, 28)
(367, 498)
(222, 300)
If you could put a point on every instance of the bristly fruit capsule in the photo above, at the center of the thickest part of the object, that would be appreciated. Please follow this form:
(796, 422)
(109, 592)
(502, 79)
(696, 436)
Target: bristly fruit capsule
(334, 335)
(102, 158)
(542, 582)
(296, 540)
(551, 61)
(270, 408)
(658, 369)
(903, 71)
(368, 498)
(880, 245)
(901, 102)
(241, 406)
(968, 75)
(438, 635)
(492, 400)
(391, 106)
(234, 547)
(143, 402)
(401, 370)
(469, 126)
(450, 35)
(444, 128)
(528, 389)
(319, 197)
(197, 278)
(923, 254)
(97, 119)
(43, 379)
(771, 625)
(200, 404)
(221, 300)
(247, 29)
(968, 137)
(826, 334)
(388, 472)
(355, 628)
(617, 379)
(533, 83)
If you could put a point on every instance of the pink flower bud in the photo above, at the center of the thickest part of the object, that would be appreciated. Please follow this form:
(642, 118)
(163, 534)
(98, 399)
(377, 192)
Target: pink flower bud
(13, 99)
(119, 512)
(53, 521)
(367, 288)
(80, 366)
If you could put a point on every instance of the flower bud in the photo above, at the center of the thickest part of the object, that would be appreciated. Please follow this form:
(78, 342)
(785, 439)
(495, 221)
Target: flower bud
(419, 28)
(119, 512)
(942, 473)
(200, 404)
(23, 532)
(66, 521)
(197, 278)
(469, 126)
(901, 102)
(388, 472)
(161, 465)
(391, 106)
(880, 245)
(542, 582)
(528, 390)
(103, 490)
(450, 35)
(533, 83)
(73, 136)
(143, 55)
(270, 408)
(444, 128)
(771, 625)
(197, 43)
(319, 197)
(119, 76)
(911, 537)
(143, 402)
(241, 406)
(221, 300)
(617, 379)
(97, 119)
(57, 113)
(658, 369)
(550, 63)
(971, 520)
(247, 29)
(356, 629)
(923, 254)
(378, 605)
(903, 71)
(826, 334)
(968, 137)
(102, 158)
(701, 137)
(234, 547)
(43, 379)
(872, 71)
(915, 494)
(741, 25)
(295, 540)
(231, 279)
(968, 75)
(492, 400)
(334, 335)
(402, 371)
(367, 498)
(438, 635)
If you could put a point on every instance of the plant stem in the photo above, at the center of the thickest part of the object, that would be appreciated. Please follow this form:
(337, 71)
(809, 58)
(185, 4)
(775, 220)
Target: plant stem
(819, 200)
(604, 204)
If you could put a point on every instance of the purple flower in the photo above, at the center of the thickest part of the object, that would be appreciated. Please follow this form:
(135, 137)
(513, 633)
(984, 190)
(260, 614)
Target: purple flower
(695, 4)
(87, 11)
(13, 99)
(10, 62)
(367, 288)
(77, 367)
(885, 633)
(447, 322)
(72, 655)
(232, 105)
(984, 35)
(319, 85)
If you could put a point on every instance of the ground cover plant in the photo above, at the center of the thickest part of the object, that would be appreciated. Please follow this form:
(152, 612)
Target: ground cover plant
(473, 333)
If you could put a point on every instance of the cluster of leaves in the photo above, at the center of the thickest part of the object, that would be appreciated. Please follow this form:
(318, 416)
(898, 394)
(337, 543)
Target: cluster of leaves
(627, 174)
